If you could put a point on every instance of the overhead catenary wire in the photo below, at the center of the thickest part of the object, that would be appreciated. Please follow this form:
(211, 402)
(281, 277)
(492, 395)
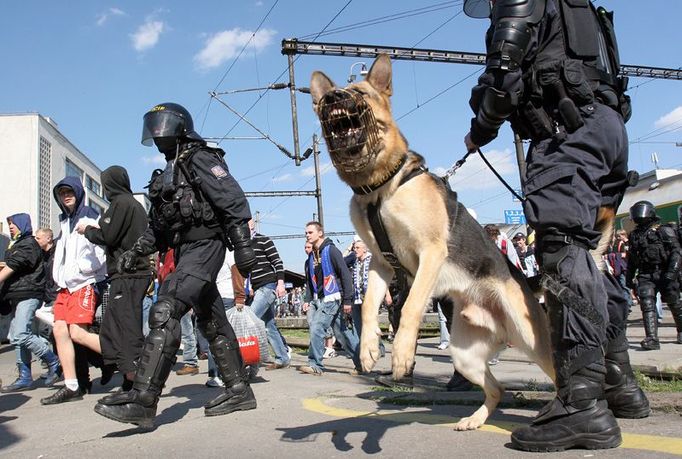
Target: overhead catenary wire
(285, 71)
(388, 18)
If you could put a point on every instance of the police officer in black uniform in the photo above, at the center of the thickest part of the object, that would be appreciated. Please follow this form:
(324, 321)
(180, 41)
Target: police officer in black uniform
(655, 256)
(552, 71)
(197, 208)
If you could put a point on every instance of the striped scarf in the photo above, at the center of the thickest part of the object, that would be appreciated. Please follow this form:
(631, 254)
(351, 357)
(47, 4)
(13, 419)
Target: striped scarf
(330, 284)
(360, 276)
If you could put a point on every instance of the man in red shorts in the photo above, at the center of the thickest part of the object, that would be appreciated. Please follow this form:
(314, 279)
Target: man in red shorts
(78, 266)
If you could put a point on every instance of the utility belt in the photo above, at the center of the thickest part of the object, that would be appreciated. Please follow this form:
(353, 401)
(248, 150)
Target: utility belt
(193, 234)
(556, 93)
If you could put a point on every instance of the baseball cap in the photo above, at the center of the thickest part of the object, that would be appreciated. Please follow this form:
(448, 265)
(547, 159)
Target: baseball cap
(519, 235)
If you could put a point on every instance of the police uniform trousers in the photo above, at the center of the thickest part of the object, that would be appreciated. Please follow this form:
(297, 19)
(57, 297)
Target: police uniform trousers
(569, 177)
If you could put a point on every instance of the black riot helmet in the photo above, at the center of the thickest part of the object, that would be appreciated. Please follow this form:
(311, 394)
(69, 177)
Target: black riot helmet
(168, 122)
(643, 212)
(477, 9)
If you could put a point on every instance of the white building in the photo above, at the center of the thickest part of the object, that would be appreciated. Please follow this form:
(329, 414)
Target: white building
(34, 157)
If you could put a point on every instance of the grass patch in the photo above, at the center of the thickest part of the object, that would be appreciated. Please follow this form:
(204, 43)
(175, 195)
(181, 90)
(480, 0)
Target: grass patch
(652, 384)
(295, 333)
(401, 389)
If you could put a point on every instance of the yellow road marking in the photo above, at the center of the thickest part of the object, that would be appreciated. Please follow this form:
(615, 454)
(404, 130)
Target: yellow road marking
(671, 445)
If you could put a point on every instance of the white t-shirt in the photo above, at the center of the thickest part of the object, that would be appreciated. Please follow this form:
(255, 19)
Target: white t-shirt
(224, 280)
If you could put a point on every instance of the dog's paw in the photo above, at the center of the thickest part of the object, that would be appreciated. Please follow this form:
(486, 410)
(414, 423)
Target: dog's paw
(403, 356)
(369, 351)
(472, 422)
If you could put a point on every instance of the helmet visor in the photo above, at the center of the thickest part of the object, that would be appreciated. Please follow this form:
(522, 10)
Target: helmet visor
(477, 9)
(161, 123)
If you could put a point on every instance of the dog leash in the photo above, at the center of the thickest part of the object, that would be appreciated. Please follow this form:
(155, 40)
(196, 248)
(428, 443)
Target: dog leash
(451, 172)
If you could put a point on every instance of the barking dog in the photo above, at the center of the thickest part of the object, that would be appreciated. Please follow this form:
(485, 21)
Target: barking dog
(441, 248)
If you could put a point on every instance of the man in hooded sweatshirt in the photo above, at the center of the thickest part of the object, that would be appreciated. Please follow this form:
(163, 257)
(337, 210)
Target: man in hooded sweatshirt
(120, 226)
(23, 284)
(78, 265)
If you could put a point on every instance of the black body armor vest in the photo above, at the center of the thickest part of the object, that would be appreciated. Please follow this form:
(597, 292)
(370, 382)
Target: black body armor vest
(179, 211)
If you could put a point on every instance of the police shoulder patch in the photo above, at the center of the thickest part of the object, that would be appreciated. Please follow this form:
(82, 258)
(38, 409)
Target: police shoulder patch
(219, 172)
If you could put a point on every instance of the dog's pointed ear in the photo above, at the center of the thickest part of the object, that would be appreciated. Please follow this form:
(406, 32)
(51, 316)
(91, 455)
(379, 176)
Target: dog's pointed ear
(320, 84)
(380, 76)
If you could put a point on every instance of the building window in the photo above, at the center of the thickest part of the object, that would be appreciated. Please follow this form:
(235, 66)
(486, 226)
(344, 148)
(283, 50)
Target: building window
(73, 171)
(44, 192)
(97, 207)
(93, 185)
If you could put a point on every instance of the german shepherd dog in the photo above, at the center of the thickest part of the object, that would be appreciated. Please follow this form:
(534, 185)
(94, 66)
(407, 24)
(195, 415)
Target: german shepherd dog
(442, 249)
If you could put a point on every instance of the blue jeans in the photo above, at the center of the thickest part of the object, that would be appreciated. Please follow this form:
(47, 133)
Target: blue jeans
(325, 315)
(189, 341)
(21, 332)
(146, 305)
(263, 306)
(212, 370)
(356, 314)
(442, 323)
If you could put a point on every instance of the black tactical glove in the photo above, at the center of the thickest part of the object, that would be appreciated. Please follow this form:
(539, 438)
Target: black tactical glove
(128, 260)
(244, 255)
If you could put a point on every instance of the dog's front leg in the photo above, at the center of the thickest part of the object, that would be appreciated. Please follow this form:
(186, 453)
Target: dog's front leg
(379, 276)
(430, 263)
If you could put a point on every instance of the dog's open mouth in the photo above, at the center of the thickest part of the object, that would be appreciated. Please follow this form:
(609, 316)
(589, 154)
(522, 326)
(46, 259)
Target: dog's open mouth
(348, 126)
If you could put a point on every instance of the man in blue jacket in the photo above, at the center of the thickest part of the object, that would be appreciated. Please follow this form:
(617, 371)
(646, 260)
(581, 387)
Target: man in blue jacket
(23, 280)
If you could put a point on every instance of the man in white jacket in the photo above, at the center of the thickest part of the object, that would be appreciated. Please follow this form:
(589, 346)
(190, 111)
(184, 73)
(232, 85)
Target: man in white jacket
(78, 266)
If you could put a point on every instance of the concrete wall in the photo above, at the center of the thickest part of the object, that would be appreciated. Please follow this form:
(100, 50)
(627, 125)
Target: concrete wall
(20, 166)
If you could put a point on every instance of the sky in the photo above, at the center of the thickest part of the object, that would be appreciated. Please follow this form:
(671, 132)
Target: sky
(95, 67)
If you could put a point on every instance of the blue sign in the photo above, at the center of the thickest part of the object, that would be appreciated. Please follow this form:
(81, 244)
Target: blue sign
(514, 217)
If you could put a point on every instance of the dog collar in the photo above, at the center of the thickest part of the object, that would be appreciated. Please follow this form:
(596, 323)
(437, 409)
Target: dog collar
(367, 189)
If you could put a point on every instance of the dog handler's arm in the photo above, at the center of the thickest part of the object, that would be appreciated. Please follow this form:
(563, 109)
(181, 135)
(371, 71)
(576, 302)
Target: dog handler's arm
(497, 94)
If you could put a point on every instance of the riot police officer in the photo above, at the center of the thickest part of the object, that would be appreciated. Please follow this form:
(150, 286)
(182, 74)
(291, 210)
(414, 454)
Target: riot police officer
(197, 209)
(655, 257)
(551, 70)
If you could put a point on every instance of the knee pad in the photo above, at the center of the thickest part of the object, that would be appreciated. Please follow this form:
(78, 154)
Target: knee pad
(647, 303)
(165, 308)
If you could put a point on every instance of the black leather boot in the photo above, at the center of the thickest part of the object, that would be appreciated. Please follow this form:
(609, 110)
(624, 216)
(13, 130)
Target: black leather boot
(625, 398)
(133, 407)
(236, 398)
(576, 418)
(238, 395)
(650, 342)
(458, 383)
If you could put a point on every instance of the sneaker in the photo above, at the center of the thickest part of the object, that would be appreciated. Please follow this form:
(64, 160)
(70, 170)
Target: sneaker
(307, 369)
(289, 352)
(215, 382)
(493, 361)
(443, 345)
(62, 395)
(329, 352)
(188, 370)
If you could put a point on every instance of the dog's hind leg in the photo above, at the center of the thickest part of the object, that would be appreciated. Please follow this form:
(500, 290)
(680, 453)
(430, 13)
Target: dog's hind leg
(471, 348)
(380, 274)
(430, 263)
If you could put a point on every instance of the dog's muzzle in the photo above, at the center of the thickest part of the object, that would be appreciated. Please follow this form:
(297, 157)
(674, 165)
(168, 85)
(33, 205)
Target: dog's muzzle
(349, 127)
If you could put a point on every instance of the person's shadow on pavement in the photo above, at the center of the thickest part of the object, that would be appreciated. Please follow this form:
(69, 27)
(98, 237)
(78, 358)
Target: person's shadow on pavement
(196, 396)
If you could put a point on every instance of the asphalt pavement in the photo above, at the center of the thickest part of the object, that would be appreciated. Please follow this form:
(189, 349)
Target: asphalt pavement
(332, 415)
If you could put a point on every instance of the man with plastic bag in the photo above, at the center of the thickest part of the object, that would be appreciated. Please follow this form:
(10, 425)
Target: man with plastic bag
(198, 209)
(552, 70)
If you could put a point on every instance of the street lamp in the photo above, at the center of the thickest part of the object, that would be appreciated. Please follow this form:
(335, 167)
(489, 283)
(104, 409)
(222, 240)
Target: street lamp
(363, 71)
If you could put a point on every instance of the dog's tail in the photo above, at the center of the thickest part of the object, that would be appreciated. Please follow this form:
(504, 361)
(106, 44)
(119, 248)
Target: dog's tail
(605, 218)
